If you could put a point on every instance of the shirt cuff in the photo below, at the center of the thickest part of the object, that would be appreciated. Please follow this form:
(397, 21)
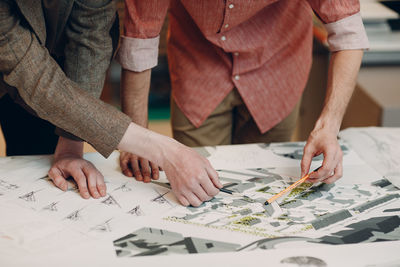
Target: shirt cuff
(347, 34)
(136, 54)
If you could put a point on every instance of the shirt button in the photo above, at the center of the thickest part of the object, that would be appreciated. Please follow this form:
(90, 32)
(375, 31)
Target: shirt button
(231, 6)
(223, 38)
(226, 25)
(237, 77)
(236, 54)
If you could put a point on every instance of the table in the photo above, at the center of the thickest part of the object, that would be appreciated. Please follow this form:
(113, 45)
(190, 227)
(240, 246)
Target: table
(40, 225)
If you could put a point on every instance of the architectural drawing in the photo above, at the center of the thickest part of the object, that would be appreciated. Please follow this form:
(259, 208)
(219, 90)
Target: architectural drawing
(75, 216)
(103, 227)
(124, 188)
(110, 201)
(375, 229)
(160, 199)
(30, 197)
(137, 211)
(7, 186)
(306, 209)
(51, 207)
(151, 242)
(322, 215)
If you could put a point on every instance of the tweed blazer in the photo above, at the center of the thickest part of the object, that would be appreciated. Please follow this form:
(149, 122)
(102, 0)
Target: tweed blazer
(53, 60)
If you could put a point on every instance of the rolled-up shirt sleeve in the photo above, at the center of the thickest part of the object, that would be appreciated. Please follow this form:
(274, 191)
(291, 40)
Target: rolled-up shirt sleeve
(142, 25)
(342, 20)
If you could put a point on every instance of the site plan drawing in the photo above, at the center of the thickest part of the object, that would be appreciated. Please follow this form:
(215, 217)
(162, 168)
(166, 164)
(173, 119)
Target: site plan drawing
(137, 219)
(323, 214)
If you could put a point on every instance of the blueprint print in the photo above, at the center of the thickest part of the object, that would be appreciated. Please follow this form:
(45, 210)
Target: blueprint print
(152, 241)
(305, 210)
(146, 219)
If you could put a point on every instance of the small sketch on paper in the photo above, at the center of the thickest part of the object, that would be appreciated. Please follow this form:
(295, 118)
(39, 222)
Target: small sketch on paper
(74, 216)
(110, 201)
(137, 211)
(8, 186)
(30, 197)
(103, 227)
(160, 199)
(124, 188)
(51, 207)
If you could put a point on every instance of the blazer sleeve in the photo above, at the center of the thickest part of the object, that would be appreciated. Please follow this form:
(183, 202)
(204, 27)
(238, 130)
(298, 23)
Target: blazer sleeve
(89, 49)
(27, 66)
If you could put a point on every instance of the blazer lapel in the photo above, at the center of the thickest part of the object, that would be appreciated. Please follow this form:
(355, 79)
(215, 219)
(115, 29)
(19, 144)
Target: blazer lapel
(33, 13)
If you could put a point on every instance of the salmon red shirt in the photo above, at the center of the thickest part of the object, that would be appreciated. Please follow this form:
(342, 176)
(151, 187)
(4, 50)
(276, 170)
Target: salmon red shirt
(263, 48)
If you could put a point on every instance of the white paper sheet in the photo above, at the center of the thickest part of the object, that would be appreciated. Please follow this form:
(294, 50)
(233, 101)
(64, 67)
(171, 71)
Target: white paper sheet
(41, 218)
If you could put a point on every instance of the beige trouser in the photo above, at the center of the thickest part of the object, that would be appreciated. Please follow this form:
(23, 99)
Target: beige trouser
(230, 123)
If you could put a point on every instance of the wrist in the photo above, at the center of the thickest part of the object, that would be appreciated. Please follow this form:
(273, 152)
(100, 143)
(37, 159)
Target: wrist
(147, 144)
(328, 123)
(68, 148)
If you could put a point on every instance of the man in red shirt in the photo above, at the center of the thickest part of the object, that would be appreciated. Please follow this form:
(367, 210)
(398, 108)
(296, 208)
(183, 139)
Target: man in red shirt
(238, 69)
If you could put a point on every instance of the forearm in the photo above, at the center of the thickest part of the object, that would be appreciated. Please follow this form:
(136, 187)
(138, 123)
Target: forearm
(135, 88)
(147, 144)
(89, 49)
(343, 71)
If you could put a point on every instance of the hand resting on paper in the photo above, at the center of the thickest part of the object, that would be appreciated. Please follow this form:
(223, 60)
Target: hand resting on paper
(69, 162)
(140, 168)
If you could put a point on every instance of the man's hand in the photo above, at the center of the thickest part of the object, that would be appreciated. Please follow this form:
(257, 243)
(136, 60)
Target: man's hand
(343, 70)
(87, 177)
(69, 162)
(326, 143)
(140, 168)
(192, 177)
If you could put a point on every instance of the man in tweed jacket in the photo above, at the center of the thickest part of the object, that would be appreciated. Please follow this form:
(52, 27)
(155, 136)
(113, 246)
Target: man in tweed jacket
(53, 58)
